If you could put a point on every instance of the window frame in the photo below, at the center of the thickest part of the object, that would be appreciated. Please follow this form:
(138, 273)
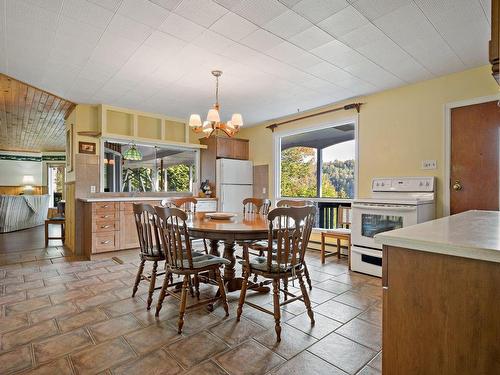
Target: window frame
(278, 135)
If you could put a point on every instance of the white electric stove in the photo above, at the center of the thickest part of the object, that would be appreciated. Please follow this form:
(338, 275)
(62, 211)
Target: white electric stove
(395, 202)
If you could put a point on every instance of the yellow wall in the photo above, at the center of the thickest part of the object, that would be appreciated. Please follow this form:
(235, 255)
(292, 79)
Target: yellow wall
(397, 128)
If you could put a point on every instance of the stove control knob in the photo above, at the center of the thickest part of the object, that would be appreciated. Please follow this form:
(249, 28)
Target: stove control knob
(427, 183)
(421, 183)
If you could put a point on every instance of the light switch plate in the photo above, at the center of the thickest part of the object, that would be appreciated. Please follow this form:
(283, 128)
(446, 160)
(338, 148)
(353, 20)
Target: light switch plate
(429, 164)
(92, 188)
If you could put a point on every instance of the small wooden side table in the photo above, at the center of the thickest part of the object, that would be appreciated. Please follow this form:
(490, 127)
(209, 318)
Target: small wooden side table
(54, 220)
(339, 234)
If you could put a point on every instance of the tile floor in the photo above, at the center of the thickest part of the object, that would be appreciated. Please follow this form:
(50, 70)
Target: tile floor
(63, 315)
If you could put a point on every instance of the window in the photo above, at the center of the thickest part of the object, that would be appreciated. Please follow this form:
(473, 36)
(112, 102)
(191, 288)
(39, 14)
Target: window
(318, 163)
(161, 168)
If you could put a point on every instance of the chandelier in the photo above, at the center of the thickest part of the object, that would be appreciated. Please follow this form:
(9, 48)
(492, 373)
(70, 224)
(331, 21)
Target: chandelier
(213, 122)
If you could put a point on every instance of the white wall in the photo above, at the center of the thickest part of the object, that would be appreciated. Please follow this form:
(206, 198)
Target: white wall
(12, 171)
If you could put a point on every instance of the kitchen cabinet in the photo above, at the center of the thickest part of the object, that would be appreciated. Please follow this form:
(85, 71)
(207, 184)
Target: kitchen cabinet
(495, 39)
(218, 148)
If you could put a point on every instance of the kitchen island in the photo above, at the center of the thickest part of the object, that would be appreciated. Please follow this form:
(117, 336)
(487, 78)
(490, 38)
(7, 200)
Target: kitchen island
(441, 296)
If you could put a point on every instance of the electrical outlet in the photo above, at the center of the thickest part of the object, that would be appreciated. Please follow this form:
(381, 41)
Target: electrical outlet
(264, 190)
(92, 189)
(429, 164)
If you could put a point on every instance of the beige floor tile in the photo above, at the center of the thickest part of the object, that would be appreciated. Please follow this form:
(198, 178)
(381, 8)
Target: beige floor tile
(376, 362)
(27, 306)
(115, 275)
(57, 346)
(292, 341)
(338, 311)
(52, 312)
(367, 370)
(372, 315)
(322, 327)
(26, 335)
(81, 319)
(307, 364)
(206, 368)
(59, 280)
(106, 286)
(45, 291)
(152, 337)
(115, 327)
(194, 320)
(362, 332)
(12, 298)
(100, 357)
(15, 360)
(92, 272)
(40, 275)
(58, 367)
(82, 283)
(11, 288)
(125, 306)
(70, 295)
(157, 362)
(249, 358)
(205, 345)
(91, 302)
(333, 286)
(342, 352)
(234, 333)
(12, 323)
(360, 301)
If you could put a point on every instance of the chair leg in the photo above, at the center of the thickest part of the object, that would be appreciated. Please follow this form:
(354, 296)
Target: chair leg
(306, 273)
(205, 245)
(46, 234)
(163, 292)
(243, 293)
(63, 232)
(285, 288)
(305, 296)
(338, 248)
(323, 248)
(138, 277)
(277, 311)
(152, 283)
(197, 286)
(191, 289)
(182, 306)
(222, 291)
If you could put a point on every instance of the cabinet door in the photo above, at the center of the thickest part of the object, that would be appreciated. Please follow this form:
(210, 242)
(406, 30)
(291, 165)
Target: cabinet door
(240, 149)
(225, 148)
(128, 230)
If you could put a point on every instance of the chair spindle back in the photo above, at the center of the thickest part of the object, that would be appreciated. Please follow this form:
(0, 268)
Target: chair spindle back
(294, 203)
(344, 218)
(256, 206)
(187, 204)
(145, 221)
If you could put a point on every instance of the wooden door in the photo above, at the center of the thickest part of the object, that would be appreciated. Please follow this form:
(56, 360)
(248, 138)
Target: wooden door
(475, 130)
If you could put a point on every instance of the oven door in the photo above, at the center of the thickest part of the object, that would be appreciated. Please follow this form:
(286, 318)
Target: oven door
(369, 219)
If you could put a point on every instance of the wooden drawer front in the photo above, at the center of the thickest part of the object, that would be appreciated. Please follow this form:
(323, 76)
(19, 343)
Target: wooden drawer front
(104, 207)
(106, 226)
(106, 241)
(206, 206)
(105, 216)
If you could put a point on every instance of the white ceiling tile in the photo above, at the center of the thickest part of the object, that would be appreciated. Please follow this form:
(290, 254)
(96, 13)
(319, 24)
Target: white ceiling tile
(66, 51)
(202, 12)
(261, 40)
(95, 70)
(87, 12)
(111, 5)
(362, 36)
(128, 28)
(167, 4)
(78, 32)
(144, 11)
(486, 4)
(328, 72)
(318, 10)
(372, 9)
(212, 42)
(181, 28)
(337, 53)
(287, 24)
(233, 26)
(343, 22)
(285, 51)
(259, 11)
(311, 38)
(289, 3)
(32, 16)
(165, 43)
(114, 50)
(229, 4)
(51, 5)
(305, 60)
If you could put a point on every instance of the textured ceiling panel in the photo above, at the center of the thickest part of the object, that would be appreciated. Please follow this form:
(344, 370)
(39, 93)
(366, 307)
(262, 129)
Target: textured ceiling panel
(31, 119)
(277, 56)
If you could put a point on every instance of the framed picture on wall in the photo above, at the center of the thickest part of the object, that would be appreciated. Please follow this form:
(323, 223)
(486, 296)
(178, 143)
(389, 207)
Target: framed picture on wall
(86, 148)
(69, 148)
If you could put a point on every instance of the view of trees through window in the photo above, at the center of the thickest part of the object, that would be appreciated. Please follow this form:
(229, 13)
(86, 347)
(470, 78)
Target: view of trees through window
(299, 171)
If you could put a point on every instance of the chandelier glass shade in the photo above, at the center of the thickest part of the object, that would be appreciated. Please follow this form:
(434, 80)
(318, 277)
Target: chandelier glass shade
(213, 121)
(132, 153)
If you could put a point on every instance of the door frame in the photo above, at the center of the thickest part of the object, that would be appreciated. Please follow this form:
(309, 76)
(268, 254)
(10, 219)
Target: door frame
(447, 143)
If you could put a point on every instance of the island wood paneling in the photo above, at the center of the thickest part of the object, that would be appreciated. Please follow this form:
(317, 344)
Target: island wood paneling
(440, 314)
(31, 119)
(69, 241)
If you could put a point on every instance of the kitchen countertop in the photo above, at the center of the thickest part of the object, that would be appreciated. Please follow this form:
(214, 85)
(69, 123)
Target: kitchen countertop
(132, 199)
(471, 234)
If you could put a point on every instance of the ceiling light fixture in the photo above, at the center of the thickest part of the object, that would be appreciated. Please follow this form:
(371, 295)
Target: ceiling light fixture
(132, 153)
(213, 123)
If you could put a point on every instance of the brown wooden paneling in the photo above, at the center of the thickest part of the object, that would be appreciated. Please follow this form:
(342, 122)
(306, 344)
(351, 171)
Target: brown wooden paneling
(261, 181)
(224, 147)
(17, 190)
(240, 149)
(440, 314)
(31, 119)
(495, 39)
(474, 157)
(70, 216)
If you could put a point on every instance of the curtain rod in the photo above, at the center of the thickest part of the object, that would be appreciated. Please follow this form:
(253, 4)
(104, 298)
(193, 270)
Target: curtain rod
(347, 107)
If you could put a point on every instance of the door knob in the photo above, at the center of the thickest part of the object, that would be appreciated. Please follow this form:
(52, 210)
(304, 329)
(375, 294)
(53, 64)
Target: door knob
(457, 186)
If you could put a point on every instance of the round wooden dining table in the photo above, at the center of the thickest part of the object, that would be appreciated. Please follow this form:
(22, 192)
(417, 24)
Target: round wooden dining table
(242, 227)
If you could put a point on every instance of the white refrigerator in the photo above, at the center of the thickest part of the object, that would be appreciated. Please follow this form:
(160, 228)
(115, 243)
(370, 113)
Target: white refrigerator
(234, 182)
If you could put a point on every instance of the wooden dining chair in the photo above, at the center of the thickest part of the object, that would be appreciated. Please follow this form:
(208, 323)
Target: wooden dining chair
(180, 261)
(341, 233)
(288, 236)
(256, 206)
(145, 217)
(187, 204)
(294, 203)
